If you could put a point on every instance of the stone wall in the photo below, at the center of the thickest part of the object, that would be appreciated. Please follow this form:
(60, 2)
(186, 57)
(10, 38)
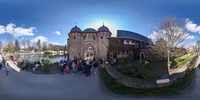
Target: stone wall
(141, 83)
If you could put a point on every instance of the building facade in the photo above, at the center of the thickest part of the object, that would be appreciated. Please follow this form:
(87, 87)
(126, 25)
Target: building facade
(90, 43)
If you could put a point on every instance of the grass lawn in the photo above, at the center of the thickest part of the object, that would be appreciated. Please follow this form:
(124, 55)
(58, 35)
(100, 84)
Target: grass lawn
(159, 68)
(181, 85)
(181, 60)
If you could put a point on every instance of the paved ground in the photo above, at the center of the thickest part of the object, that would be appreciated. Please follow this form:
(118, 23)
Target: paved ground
(22, 85)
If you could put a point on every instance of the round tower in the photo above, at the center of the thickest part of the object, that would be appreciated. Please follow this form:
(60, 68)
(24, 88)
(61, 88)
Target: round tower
(74, 42)
(103, 34)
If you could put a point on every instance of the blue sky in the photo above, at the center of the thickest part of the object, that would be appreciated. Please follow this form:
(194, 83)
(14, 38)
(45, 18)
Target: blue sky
(51, 20)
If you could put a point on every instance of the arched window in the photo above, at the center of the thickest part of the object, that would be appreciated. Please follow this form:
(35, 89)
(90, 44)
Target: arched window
(74, 37)
(142, 55)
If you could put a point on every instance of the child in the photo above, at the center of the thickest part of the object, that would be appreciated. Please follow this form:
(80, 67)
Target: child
(7, 68)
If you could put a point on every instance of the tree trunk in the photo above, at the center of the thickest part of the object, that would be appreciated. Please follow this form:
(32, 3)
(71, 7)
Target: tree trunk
(168, 59)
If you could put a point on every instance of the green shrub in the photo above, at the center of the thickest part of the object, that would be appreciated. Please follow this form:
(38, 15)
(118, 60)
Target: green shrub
(123, 60)
(137, 70)
(45, 66)
(48, 53)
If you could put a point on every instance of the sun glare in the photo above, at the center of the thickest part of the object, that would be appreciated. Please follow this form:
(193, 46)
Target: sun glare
(97, 24)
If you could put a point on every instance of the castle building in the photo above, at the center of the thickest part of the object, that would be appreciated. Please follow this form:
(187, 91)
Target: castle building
(91, 43)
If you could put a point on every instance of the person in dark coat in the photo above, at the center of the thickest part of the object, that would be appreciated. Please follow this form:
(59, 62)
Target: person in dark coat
(61, 65)
(75, 60)
(87, 68)
(95, 65)
(80, 68)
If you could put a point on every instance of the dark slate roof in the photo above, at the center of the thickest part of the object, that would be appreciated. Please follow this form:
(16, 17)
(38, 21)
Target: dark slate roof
(131, 35)
(103, 28)
(89, 30)
(75, 29)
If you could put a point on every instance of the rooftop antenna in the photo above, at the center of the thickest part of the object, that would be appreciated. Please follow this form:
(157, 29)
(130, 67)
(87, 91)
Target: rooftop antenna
(75, 24)
(103, 23)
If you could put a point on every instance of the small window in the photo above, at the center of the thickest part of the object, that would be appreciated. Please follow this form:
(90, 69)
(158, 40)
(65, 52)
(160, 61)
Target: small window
(94, 37)
(127, 51)
(101, 37)
(74, 37)
(123, 52)
(125, 41)
(118, 52)
(83, 37)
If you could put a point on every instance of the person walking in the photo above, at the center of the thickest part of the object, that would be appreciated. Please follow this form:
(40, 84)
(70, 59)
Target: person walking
(74, 67)
(7, 68)
(87, 68)
(3, 62)
(95, 65)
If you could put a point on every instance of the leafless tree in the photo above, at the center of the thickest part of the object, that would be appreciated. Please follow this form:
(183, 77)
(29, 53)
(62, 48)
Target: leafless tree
(170, 34)
(45, 44)
(10, 45)
(28, 44)
(198, 46)
(23, 42)
(1, 45)
(158, 49)
(50, 47)
(39, 45)
(34, 46)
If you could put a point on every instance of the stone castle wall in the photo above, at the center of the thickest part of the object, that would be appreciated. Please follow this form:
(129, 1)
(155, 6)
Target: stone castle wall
(77, 46)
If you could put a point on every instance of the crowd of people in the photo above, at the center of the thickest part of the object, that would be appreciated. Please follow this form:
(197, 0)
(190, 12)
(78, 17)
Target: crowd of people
(80, 66)
(75, 65)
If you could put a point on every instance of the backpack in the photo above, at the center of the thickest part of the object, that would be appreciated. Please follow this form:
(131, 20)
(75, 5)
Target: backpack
(67, 69)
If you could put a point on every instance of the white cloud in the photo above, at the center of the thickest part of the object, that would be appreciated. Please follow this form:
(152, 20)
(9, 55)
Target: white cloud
(192, 26)
(2, 29)
(10, 28)
(17, 31)
(190, 37)
(54, 43)
(41, 38)
(57, 32)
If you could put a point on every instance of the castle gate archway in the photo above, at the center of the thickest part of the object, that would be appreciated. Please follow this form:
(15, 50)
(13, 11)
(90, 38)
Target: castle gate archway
(89, 52)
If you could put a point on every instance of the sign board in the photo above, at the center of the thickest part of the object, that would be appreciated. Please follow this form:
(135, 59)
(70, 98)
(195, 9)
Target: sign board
(163, 81)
